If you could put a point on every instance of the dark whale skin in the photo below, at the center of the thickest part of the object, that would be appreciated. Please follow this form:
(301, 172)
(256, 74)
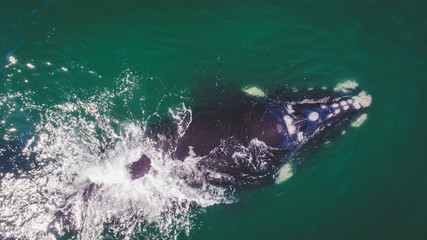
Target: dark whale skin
(244, 119)
(245, 139)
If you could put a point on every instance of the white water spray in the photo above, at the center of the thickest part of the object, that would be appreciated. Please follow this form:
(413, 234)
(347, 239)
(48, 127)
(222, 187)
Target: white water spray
(82, 183)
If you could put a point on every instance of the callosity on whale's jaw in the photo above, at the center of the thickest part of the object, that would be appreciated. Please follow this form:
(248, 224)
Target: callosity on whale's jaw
(284, 128)
(307, 118)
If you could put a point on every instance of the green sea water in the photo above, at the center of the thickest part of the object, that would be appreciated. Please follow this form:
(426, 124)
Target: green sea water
(78, 75)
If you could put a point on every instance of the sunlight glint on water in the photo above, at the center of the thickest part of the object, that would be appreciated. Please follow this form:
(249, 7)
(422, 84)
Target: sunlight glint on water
(78, 145)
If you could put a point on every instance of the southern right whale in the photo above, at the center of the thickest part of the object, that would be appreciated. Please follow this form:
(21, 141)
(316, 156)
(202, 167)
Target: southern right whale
(245, 140)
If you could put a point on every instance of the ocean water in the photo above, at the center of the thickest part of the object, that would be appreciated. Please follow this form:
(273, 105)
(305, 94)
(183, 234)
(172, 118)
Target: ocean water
(80, 81)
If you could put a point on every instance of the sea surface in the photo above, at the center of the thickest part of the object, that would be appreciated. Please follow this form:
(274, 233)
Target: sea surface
(81, 80)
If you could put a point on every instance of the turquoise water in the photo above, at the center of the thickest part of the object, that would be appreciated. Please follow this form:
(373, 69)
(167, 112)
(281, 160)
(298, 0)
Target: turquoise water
(81, 79)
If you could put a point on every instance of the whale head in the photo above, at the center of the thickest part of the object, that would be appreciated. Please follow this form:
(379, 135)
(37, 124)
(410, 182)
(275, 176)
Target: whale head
(244, 141)
(268, 129)
(293, 121)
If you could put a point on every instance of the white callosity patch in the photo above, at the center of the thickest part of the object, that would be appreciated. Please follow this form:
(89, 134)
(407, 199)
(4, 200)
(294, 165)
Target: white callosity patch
(289, 121)
(310, 101)
(313, 116)
(363, 99)
(356, 105)
(289, 108)
(300, 136)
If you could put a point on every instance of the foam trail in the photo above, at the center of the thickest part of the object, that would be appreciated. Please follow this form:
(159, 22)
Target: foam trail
(83, 186)
(284, 173)
(346, 86)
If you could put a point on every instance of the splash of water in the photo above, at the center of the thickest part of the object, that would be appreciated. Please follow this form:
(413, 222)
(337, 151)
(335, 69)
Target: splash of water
(81, 185)
(86, 189)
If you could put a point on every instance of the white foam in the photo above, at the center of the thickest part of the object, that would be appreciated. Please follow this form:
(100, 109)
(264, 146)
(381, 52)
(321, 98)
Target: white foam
(68, 142)
(359, 120)
(254, 91)
(285, 173)
(12, 60)
(191, 152)
(346, 86)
